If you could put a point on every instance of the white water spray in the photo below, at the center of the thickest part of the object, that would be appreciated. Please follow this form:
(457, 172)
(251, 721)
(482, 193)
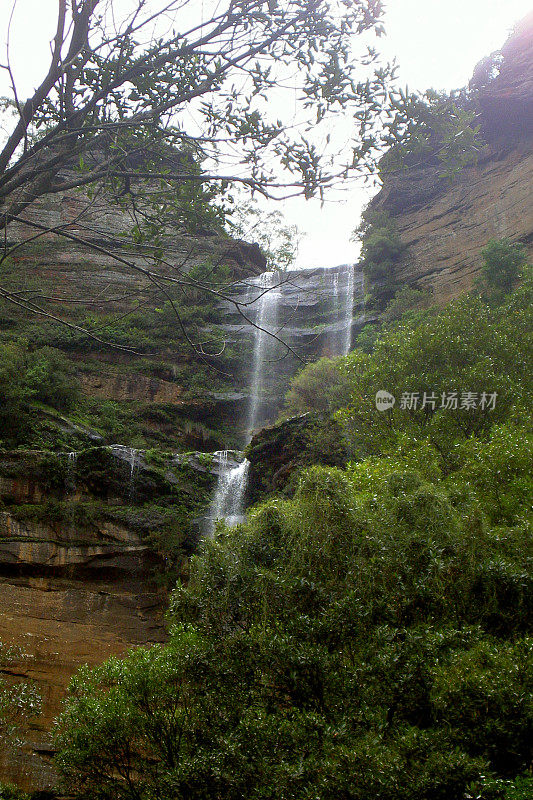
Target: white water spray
(228, 500)
(266, 320)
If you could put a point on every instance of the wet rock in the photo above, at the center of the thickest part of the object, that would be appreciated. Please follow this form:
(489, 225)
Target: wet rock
(278, 453)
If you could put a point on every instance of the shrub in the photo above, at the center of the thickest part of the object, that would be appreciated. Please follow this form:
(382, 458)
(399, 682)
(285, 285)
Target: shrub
(323, 386)
(334, 645)
(503, 263)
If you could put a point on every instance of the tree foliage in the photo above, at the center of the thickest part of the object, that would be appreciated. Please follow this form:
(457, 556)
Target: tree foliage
(381, 253)
(322, 386)
(470, 346)
(368, 638)
(433, 129)
(504, 263)
(164, 108)
(44, 376)
(19, 700)
(278, 241)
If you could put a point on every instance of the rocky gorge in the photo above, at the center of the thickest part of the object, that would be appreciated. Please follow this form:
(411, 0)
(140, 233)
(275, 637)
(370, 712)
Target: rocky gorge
(93, 533)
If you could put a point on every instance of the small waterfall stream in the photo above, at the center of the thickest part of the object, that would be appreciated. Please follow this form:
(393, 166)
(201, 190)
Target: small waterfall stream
(228, 500)
(70, 476)
(132, 458)
(70, 487)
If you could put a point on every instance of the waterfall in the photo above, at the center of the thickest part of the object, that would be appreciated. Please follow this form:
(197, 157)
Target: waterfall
(347, 311)
(342, 301)
(344, 291)
(132, 457)
(134, 466)
(70, 487)
(228, 500)
(266, 319)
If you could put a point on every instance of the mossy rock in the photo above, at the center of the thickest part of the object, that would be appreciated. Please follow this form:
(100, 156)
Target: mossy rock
(277, 454)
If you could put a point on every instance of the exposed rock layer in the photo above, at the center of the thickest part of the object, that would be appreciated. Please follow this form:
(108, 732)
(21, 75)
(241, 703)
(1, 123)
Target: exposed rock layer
(445, 225)
(80, 578)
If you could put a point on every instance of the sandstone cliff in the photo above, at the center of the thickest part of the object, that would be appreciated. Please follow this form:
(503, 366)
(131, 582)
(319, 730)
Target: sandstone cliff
(445, 225)
(86, 540)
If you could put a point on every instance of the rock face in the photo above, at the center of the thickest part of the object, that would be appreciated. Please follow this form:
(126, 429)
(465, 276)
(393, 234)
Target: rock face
(81, 572)
(444, 226)
(99, 280)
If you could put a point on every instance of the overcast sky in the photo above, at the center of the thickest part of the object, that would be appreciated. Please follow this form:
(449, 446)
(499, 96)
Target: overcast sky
(437, 43)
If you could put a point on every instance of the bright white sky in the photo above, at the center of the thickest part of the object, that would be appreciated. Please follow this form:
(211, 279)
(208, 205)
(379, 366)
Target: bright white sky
(437, 43)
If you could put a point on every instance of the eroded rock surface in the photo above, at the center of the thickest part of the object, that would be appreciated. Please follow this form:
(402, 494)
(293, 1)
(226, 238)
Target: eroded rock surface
(445, 225)
(81, 573)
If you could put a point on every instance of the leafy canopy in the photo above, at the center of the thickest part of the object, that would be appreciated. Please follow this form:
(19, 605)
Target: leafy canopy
(166, 108)
(368, 638)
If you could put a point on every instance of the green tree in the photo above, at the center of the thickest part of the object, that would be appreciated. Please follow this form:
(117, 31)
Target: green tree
(44, 375)
(381, 253)
(322, 386)
(469, 346)
(345, 643)
(14, 393)
(166, 107)
(51, 378)
(406, 301)
(277, 240)
(433, 130)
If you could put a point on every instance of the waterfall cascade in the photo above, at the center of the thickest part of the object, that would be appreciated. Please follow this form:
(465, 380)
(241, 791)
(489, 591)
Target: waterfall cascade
(228, 500)
(266, 319)
(266, 298)
(132, 457)
(342, 302)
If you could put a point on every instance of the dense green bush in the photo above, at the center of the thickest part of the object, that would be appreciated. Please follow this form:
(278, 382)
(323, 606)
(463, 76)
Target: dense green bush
(344, 643)
(381, 253)
(503, 264)
(322, 386)
(470, 346)
(406, 301)
(45, 376)
(51, 379)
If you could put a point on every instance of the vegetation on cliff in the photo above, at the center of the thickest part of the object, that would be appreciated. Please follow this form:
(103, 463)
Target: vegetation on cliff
(18, 699)
(369, 636)
(433, 128)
